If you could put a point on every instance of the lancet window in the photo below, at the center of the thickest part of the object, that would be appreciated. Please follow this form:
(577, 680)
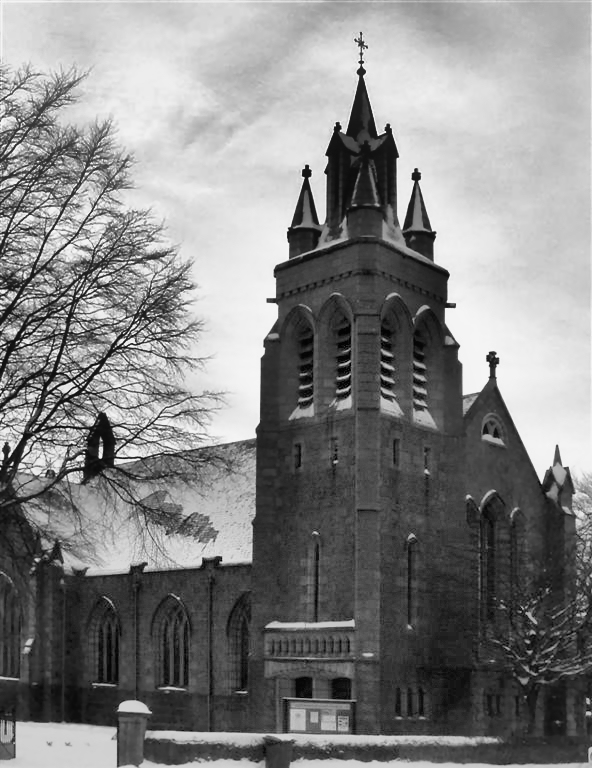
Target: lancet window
(305, 368)
(343, 357)
(104, 639)
(387, 363)
(172, 640)
(420, 373)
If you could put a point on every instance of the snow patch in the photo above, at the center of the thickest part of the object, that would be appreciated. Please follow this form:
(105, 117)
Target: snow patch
(390, 406)
(424, 418)
(302, 625)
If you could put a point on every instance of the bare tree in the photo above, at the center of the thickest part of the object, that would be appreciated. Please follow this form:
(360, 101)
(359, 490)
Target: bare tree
(96, 322)
(543, 639)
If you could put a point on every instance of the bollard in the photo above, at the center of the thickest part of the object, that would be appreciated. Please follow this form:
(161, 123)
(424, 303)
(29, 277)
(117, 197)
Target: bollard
(132, 717)
(590, 755)
(278, 751)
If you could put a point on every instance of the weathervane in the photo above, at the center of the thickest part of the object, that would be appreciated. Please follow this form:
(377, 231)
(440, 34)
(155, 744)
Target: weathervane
(359, 41)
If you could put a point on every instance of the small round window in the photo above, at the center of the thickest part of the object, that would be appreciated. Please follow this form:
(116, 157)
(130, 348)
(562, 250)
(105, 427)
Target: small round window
(492, 430)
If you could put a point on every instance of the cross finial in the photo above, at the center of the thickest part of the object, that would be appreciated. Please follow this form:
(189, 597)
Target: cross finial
(359, 41)
(493, 361)
(306, 172)
(416, 175)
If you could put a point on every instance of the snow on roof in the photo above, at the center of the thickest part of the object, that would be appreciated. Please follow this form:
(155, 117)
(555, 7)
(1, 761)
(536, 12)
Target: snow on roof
(468, 401)
(179, 522)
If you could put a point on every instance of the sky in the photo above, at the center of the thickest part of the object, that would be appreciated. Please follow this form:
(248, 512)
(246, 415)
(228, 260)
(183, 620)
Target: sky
(223, 103)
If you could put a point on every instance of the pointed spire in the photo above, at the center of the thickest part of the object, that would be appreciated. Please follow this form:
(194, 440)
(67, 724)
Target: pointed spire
(361, 125)
(557, 457)
(417, 228)
(303, 234)
(305, 214)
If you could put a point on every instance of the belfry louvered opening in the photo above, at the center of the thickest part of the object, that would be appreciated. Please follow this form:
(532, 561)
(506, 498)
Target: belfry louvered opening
(387, 363)
(343, 378)
(420, 373)
(305, 368)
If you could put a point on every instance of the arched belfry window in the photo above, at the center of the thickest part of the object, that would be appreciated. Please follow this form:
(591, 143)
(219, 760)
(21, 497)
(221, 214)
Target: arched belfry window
(171, 637)
(103, 637)
(388, 363)
(10, 628)
(420, 372)
(305, 343)
(237, 630)
(343, 359)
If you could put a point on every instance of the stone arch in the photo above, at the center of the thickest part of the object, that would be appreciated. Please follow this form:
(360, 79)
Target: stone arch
(103, 633)
(428, 368)
(336, 352)
(396, 337)
(238, 634)
(171, 639)
(494, 552)
(298, 362)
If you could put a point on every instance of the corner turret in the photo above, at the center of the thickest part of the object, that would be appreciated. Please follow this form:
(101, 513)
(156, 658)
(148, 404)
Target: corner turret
(417, 229)
(304, 232)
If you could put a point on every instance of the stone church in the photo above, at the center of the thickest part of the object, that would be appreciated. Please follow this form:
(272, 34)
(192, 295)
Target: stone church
(345, 576)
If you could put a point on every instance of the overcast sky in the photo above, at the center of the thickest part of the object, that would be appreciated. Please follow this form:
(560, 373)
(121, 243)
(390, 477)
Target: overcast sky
(223, 104)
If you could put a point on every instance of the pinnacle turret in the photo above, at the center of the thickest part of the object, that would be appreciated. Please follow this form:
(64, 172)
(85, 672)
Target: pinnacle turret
(417, 229)
(304, 231)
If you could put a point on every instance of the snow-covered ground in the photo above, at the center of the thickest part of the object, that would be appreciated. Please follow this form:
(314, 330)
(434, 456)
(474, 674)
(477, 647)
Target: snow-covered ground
(64, 745)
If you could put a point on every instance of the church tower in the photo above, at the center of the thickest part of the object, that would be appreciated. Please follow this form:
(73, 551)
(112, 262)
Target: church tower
(359, 502)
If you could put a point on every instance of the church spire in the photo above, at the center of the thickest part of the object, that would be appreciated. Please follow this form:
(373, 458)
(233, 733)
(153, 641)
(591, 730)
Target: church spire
(361, 126)
(304, 231)
(417, 229)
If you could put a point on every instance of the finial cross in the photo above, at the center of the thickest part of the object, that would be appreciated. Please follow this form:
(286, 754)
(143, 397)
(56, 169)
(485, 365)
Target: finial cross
(359, 41)
(493, 361)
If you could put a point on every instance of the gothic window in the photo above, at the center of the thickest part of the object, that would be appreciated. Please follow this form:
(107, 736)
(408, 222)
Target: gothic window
(343, 360)
(172, 641)
(387, 363)
(313, 578)
(238, 631)
(410, 711)
(411, 581)
(104, 635)
(516, 553)
(305, 368)
(420, 373)
(420, 702)
(398, 704)
(492, 430)
(488, 564)
(10, 628)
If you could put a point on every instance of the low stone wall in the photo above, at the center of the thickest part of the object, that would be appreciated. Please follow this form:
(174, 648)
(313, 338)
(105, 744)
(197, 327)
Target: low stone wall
(175, 748)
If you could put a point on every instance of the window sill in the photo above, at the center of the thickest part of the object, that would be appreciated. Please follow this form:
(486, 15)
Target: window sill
(242, 692)
(170, 689)
(104, 685)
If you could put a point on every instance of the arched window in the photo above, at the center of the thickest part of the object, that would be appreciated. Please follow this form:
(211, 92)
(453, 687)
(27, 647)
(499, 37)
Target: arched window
(103, 638)
(312, 577)
(343, 359)
(171, 637)
(517, 554)
(237, 631)
(488, 564)
(420, 372)
(10, 628)
(492, 430)
(388, 363)
(305, 343)
(411, 580)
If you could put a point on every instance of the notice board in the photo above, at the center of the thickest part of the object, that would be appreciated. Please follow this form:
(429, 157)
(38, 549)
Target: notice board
(319, 715)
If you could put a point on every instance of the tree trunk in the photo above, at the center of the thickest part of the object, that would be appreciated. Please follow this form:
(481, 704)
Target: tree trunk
(531, 698)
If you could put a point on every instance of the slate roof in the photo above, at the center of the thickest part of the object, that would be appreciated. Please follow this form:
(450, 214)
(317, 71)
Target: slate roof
(178, 524)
